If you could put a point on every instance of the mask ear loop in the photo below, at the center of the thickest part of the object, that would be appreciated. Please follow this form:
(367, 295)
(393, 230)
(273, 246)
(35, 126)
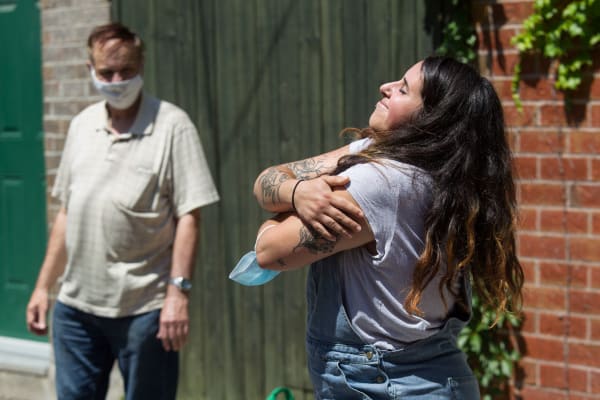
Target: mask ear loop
(261, 233)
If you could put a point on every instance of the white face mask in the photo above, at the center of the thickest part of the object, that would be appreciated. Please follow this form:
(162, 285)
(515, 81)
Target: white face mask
(120, 95)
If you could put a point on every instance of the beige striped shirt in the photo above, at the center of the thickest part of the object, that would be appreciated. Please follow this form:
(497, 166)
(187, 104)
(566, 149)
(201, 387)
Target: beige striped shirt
(123, 195)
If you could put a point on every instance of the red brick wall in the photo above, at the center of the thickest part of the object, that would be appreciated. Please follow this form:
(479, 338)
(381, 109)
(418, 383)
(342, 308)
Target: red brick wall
(558, 166)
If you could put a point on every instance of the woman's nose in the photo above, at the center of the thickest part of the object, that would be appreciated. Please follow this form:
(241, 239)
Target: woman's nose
(386, 88)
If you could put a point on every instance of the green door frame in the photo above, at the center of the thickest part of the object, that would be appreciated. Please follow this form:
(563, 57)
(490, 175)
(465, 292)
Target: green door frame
(23, 223)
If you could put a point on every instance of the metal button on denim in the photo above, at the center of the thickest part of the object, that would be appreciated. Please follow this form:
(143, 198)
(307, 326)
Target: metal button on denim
(369, 355)
(380, 379)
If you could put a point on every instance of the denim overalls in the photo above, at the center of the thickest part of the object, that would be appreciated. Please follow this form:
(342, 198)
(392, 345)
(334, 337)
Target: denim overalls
(342, 367)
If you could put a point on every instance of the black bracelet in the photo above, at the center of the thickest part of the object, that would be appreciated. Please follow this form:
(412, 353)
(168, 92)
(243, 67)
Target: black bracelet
(294, 192)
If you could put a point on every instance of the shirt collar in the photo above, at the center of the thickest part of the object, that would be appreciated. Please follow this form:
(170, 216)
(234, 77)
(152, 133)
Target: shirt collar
(143, 124)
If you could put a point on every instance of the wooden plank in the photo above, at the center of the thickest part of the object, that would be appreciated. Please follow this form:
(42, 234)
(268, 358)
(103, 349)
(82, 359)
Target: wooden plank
(268, 154)
(332, 74)
(251, 306)
(308, 86)
(291, 89)
(199, 370)
(378, 43)
(355, 61)
(227, 57)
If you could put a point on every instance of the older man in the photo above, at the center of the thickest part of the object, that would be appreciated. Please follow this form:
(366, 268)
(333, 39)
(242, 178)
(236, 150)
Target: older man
(131, 181)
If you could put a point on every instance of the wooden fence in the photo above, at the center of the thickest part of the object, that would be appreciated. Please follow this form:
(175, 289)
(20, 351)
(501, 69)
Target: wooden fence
(266, 81)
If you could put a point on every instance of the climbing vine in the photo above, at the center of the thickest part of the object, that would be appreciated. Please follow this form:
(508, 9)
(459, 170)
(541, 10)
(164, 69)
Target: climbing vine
(490, 351)
(564, 31)
(458, 35)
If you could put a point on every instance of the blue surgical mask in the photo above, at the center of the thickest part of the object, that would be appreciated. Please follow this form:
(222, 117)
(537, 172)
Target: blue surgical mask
(120, 95)
(247, 271)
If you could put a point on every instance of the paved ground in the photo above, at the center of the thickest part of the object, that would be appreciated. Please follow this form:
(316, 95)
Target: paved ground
(22, 386)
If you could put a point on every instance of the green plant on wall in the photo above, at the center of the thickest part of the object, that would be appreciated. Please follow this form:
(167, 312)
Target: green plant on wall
(458, 35)
(565, 32)
(489, 350)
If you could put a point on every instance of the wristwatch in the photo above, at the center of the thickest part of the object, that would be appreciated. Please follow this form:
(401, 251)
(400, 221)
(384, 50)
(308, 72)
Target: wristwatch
(181, 283)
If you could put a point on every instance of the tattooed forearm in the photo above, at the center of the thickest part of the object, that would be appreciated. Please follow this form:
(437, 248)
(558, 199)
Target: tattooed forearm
(313, 242)
(271, 183)
(309, 168)
(272, 178)
(281, 263)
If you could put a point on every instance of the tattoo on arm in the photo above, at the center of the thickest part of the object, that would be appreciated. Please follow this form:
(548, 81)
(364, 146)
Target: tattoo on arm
(272, 179)
(281, 262)
(271, 183)
(309, 168)
(314, 242)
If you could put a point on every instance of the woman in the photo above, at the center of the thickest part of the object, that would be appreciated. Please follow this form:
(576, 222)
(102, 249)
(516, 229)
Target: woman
(420, 206)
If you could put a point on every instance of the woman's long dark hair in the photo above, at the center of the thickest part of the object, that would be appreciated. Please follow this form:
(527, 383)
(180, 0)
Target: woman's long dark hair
(458, 138)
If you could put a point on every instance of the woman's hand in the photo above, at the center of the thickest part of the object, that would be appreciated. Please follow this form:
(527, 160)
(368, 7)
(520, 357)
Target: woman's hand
(292, 244)
(330, 216)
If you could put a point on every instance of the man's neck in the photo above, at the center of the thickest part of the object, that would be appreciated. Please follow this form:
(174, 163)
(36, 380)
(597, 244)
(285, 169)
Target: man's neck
(121, 121)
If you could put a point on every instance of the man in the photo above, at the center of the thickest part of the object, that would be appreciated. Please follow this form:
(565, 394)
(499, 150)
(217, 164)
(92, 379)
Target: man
(131, 181)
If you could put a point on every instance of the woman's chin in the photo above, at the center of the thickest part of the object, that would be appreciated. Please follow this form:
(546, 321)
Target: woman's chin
(375, 123)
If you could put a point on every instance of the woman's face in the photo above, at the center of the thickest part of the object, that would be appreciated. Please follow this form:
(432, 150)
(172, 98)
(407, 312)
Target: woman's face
(400, 100)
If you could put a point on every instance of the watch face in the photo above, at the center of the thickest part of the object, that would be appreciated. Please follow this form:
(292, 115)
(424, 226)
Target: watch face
(186, 284)
(182, 283)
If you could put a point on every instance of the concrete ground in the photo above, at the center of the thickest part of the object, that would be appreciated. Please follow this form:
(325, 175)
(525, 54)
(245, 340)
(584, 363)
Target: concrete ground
(20, 385)
(27, 371)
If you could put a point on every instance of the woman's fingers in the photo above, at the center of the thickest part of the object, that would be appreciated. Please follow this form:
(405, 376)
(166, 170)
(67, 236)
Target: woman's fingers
(329, 230)
(329, 215)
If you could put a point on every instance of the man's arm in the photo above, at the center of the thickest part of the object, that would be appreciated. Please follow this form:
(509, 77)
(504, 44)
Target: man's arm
(328, 215)
(174, 317)
(52, 268)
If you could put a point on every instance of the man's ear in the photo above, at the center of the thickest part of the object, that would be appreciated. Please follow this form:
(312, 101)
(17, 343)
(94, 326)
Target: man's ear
(89, 65)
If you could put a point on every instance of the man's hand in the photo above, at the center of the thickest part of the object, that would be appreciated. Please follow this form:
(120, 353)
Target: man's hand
(328, 215)
(37, 310)
(174, 322)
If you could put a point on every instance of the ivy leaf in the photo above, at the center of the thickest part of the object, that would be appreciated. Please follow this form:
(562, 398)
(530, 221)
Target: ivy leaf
(552, 50)
(563, 30)
(506, 367)
(475, 343)
(575, 30)
(568, 82)
(570, 10)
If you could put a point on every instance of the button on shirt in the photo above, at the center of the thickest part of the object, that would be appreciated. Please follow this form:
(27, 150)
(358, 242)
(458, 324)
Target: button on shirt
(123, 194)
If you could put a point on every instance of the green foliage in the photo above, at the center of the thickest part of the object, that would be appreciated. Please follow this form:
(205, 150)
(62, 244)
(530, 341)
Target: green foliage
(489, 349)
(458, 36)
(565, 31)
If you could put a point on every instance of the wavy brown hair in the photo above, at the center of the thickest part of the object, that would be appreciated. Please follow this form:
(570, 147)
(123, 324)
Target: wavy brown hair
(458, 138)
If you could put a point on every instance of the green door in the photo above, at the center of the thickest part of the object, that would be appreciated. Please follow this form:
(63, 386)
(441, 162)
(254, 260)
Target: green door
(22, 177)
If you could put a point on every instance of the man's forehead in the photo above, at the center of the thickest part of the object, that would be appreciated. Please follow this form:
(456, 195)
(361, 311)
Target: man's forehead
(115, 48)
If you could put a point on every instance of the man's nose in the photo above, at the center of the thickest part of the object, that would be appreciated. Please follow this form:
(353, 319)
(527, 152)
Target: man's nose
(117, 77)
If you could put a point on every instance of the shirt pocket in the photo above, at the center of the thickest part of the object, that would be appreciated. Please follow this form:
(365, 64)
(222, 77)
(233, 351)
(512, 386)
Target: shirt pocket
(135, 188)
